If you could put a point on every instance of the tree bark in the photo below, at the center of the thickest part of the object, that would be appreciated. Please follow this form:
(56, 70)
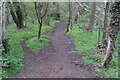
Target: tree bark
(39, 20)
(69, 18)
(105, 21)
(76, 19)
(7, 20)
(113, 32)
(13, 14)
(92, 17)
(40, 28)
(47, 20)
(17, 14)
(0, 22)
(25, 15)
(4, 22)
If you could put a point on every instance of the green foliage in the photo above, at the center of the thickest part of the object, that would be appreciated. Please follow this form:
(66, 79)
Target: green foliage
(97, 59)
(84, 42)
(107, 73)
(6, 45)
(110, 72)
(15, 66)
(36, 44)
(16, 53)
(1, 48)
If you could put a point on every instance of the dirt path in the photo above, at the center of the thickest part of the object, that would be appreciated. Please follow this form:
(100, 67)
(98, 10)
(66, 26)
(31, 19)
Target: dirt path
(57, 60)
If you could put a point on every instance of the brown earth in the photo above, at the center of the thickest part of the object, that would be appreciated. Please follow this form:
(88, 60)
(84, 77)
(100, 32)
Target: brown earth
(58, 60)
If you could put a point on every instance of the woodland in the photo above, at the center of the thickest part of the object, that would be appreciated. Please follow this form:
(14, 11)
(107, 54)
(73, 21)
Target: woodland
(59, 39)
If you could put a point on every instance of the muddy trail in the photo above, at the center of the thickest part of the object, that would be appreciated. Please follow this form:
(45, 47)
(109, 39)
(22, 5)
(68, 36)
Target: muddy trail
(58, 60)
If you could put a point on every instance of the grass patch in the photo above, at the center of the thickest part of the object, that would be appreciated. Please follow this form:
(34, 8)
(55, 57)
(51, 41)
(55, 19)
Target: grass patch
(16, 54)
(97, 59)
(36, 44)
(84, 42)
(107, 73)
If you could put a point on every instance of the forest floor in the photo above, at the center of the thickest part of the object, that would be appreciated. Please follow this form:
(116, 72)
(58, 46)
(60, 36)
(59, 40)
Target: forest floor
(57, 60)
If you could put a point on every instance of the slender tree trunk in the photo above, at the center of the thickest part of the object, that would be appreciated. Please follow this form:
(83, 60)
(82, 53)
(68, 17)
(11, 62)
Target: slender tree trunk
(68, 25)
(105, 21)
(1, 46)
(39, 20)
(47, 20)
(25, 15)
(99, 35)
(76, 19)
(0, 22)
(7, 20)
(113, 32)
(4, 22)
(40, 28)
(69, 19)
(92, 17)
(71, 24)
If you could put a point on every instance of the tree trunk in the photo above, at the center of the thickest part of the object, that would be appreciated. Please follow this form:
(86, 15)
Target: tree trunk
(68, 25)
(7, 20)
(17, 14)
(4, 22)
(39, 31)
(56, 15)
(76, 19)
(92, 17)
(69, 18)
(113, 32)
(25, 15)
(47, 20)
(13, 14)
(40, 16)
(0, 23)
(105, 21)
(39, 21)
(1, 46)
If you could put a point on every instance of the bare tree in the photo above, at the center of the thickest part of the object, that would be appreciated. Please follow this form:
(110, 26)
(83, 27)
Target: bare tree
(113, 32)
(92, 17)
(41, 11)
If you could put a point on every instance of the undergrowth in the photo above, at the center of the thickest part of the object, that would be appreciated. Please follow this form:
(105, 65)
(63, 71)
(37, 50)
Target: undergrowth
(111, 71)
(85, 43)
